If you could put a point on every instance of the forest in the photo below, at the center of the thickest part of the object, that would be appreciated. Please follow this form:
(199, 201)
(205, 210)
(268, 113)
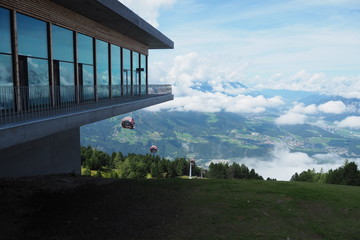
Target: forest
(101, 164)
(348, 174)
(116, 165)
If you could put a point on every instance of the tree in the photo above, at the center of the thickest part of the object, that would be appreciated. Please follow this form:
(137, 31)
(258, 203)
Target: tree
(351, 174)
(348, 174)
(85, 153)
(181, 166)
(218, 170)
(98, 174)
(118, 158)
(171, 169)
(295, 177)
(94, 162)
(155, 172)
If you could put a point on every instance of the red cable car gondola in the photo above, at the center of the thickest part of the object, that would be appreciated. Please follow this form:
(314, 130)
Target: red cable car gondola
(153, 149)
(128, 122)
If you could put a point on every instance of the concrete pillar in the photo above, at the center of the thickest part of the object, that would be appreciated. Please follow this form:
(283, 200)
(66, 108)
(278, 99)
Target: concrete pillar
(52, 154)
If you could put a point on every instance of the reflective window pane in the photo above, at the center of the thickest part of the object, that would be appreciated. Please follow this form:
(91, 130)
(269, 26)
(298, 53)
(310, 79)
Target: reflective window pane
(38, 77)
(102, 68)
(126, 71)
(143, 73)
(135, 73)
(32, 36)
(88, 82)
(6, 83)
(6, 76)
(115, 71)
(67, 82)
(88, 75)
(67, 74)
(85, 49)
(38, 72)
(5, 39)
(62, 43)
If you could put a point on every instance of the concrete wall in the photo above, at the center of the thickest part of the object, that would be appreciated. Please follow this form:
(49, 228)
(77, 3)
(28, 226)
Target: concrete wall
(52, 145)
(53, 154)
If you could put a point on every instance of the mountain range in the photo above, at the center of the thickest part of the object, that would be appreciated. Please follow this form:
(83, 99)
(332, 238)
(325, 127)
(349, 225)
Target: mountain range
(227, 136)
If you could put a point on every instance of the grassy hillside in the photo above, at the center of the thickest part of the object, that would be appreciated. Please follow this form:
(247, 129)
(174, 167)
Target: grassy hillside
(185, 209)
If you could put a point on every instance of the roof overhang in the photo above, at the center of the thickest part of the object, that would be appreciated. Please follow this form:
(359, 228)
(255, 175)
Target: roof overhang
(114, 15)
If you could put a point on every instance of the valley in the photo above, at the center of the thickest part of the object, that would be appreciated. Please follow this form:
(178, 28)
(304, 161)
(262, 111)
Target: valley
(208, 136)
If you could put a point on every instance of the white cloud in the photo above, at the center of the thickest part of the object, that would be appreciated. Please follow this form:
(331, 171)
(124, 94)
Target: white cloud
(191, 69)
(300, 108)
(349, 122)
(346, 86)
(148, 9)
(299, 113)
(217, 102)
(291, 118)
(283, 164)
(335, 107)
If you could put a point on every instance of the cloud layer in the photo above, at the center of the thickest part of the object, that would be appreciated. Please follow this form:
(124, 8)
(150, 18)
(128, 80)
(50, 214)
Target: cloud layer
(349, 122)
(190, 70)
(282, 164)
(300, 113)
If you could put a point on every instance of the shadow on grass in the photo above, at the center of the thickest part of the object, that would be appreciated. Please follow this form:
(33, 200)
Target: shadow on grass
(192, 209)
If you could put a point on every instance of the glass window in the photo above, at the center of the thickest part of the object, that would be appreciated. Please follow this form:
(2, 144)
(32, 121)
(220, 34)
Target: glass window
(63, 44)
(38, 72)
(6, 83)
(85, 49)
(67, 80)
(6, 70)
(115, 71)
(135, 69)
(88, 75)
(143, 73)
(102, 68)
(126, 71)
(5, 39)
(6, 76)
(67, 74)
(38, 80)
(32, 36)
(135, 72)
(88, 82)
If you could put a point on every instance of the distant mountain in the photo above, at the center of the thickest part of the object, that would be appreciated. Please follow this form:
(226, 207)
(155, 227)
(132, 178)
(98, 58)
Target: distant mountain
(290, 96)
(228, 135)
(215, 136)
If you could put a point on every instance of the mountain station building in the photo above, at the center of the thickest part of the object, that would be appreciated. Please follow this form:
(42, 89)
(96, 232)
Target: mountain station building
(64, 64)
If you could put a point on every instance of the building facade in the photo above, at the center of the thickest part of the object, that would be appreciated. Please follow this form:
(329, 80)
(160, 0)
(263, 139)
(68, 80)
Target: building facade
(64, 64)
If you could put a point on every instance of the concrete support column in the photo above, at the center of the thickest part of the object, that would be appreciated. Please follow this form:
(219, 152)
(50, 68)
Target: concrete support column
(54, 154)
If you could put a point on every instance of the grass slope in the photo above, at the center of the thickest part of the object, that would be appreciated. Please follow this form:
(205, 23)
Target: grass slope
(186, 209)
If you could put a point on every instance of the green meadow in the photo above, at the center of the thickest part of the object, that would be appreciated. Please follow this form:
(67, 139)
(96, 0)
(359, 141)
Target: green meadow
(200, 209)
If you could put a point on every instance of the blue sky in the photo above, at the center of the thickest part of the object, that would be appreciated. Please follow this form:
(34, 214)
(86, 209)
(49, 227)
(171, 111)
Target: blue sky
(308, 45)
(265, 42)
(275, 44)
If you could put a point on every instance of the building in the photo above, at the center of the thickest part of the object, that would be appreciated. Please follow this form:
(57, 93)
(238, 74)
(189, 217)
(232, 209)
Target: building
(64, 64)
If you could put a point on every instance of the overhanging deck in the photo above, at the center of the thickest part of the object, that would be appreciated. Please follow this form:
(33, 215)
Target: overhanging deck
(22, 132)
(51, 145)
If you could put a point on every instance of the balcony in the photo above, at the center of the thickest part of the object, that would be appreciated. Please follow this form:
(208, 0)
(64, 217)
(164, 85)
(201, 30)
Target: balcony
(23, 105)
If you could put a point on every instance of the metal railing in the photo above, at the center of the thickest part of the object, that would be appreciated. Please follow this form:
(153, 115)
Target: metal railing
(20, 104)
